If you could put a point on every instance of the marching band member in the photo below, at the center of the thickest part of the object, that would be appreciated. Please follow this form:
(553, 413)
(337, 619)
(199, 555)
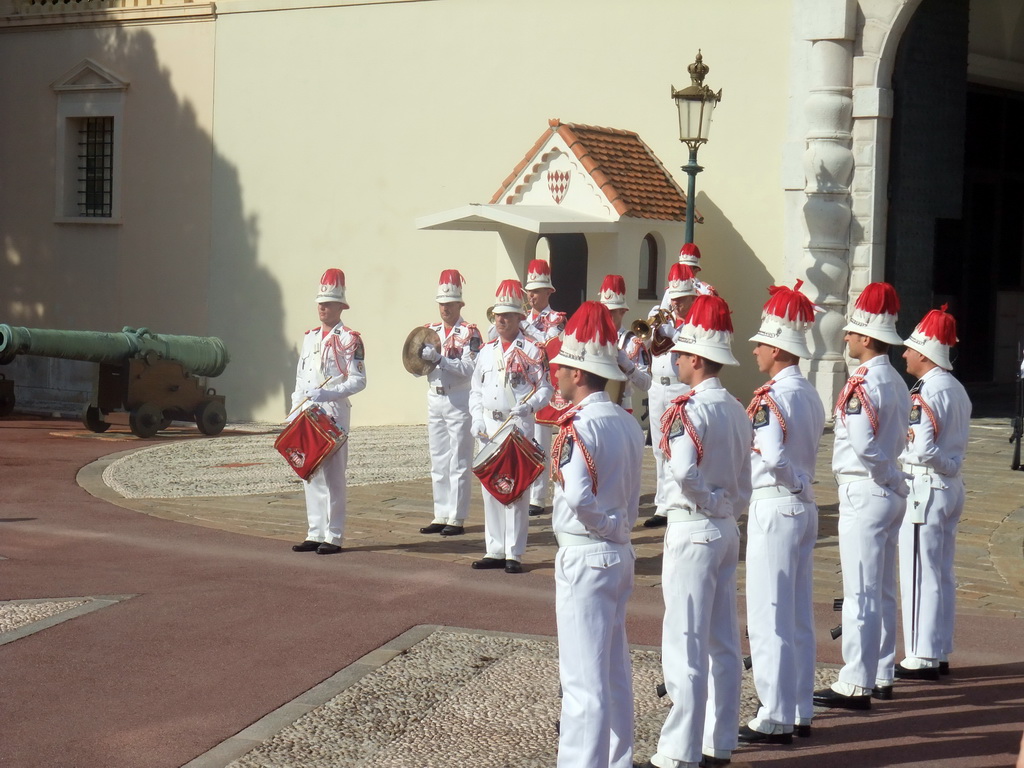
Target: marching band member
(937, 441)
(706, 441)
(449, 422)
(869, 437)
(782, 525)
(633, 357)
(596, 464)
(665, 383)
(541, 325)
(510, 380)
(331, 368)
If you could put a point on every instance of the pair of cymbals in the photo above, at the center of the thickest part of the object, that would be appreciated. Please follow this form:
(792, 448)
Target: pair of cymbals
(415, 342)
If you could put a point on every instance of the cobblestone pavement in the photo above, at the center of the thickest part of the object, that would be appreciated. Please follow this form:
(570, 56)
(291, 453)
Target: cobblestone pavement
(239, 483)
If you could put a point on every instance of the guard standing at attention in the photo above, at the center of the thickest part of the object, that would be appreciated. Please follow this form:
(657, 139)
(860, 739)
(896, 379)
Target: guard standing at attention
(782, 525)
(331, 368)
(510, 381)
(707, 438)
(449, 424)
(870, 435)
(541, 325)
(596, 464)
(940, 416)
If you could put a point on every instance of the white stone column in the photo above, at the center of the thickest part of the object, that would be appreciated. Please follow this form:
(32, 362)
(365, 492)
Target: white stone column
(824, 264)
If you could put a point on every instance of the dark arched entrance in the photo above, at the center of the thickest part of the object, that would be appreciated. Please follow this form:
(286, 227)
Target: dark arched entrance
(568, 259)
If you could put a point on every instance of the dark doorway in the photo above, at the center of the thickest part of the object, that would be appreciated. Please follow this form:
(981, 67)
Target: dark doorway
(568, 258)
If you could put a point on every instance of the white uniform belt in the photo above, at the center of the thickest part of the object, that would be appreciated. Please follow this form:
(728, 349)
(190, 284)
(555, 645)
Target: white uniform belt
(577, 539)
(685, 515)
(437, 389)
(770, 492)
(917, 469)
(849, 477)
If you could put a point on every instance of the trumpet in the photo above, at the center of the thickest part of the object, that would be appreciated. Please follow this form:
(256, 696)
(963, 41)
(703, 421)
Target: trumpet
(490, 314)
(644, 328)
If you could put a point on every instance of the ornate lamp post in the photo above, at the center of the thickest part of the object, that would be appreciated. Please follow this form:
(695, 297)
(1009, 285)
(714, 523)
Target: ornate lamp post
(695, 103)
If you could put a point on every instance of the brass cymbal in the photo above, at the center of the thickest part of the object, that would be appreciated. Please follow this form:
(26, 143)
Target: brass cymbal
(417, 339)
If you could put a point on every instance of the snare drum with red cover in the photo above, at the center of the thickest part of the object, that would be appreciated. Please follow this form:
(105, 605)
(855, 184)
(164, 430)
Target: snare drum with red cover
(309, 440)
(508, 464)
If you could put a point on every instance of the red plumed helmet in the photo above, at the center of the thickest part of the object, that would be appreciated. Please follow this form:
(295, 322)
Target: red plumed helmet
(590, 342)
(538, 275)
(613, 292)
(785, 319)
(934, 336)
(681, 281)
(510, 297)
(689, 254)
(332, 287)
(707, 331)
(449, 287)
(875, 313)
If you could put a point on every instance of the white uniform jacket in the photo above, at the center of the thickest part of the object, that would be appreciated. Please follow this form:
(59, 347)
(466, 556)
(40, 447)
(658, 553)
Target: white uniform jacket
(711, 466)
(870, 436)
(788, 424)
(339, 356)
(459, 349)
(503, 378)
(940, 418)
(541, 327)
(639, 357)
(599, 472)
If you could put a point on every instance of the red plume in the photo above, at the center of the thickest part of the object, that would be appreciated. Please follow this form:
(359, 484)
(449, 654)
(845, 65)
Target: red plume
(710, 313)
(333, 277)
(879, 299)
(539, 267)
(511, 288)
(614, 283)
(450, 277)
(939, 325)
(680, 272)
(789, 303)
(689, 249)
(592, 322)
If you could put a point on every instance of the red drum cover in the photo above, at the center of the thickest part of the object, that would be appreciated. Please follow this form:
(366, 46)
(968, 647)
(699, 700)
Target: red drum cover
(548, 414)
(508, 464)
(310, 439)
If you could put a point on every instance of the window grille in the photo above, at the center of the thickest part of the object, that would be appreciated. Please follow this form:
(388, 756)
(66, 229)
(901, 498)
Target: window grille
(95, 166)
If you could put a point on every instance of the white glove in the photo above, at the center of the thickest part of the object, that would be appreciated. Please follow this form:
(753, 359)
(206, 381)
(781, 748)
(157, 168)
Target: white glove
(521, 410)
(430, 354)
(479, 429)
(625, 364)
(318, 395)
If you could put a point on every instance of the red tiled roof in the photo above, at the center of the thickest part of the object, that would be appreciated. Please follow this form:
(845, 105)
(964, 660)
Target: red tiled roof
(621, 164)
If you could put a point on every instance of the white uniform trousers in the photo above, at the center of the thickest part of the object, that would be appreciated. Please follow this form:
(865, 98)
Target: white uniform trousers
(780, 621)
(449, 435)
(658, 400)
(505, 525)
(326, 491)
(700, 644)
(869, 522)
(593, 583)
(936, 584)
(541, 488)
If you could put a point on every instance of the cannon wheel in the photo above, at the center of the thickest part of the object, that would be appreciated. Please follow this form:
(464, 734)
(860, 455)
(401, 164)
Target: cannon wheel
(211, 417)
(145, 420)
(92, 419)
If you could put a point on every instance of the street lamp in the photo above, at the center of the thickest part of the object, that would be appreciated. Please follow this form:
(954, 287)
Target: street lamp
(695, 103)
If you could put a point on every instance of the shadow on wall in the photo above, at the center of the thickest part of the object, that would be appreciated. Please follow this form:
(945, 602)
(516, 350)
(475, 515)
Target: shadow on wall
(184, 258)
(732, 266)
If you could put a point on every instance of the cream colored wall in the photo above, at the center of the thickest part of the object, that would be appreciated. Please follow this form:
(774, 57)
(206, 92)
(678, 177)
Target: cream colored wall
(336, 127)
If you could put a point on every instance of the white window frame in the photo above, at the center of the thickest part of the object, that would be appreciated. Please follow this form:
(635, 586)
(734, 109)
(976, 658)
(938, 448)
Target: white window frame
(86, 91)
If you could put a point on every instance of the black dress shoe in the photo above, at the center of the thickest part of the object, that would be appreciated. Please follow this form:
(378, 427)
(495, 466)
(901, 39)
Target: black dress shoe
(328, 549)
(707, 761)
(488, 563)
(657, 521)
(826, 697)
(513, 566)
(535, 510)
(433, 528)
(882, 692)
(803, 731)
(925, 673)
(452, 530)
(749, 736)
(306, 546)
(943, 667)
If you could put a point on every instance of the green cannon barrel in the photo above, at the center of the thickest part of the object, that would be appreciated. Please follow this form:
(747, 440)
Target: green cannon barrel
(199, 355)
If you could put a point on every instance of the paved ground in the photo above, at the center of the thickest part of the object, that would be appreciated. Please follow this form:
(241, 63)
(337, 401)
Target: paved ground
(182, 636)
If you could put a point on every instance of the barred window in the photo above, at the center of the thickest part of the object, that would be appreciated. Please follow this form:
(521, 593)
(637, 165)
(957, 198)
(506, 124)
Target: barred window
(95, 166)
